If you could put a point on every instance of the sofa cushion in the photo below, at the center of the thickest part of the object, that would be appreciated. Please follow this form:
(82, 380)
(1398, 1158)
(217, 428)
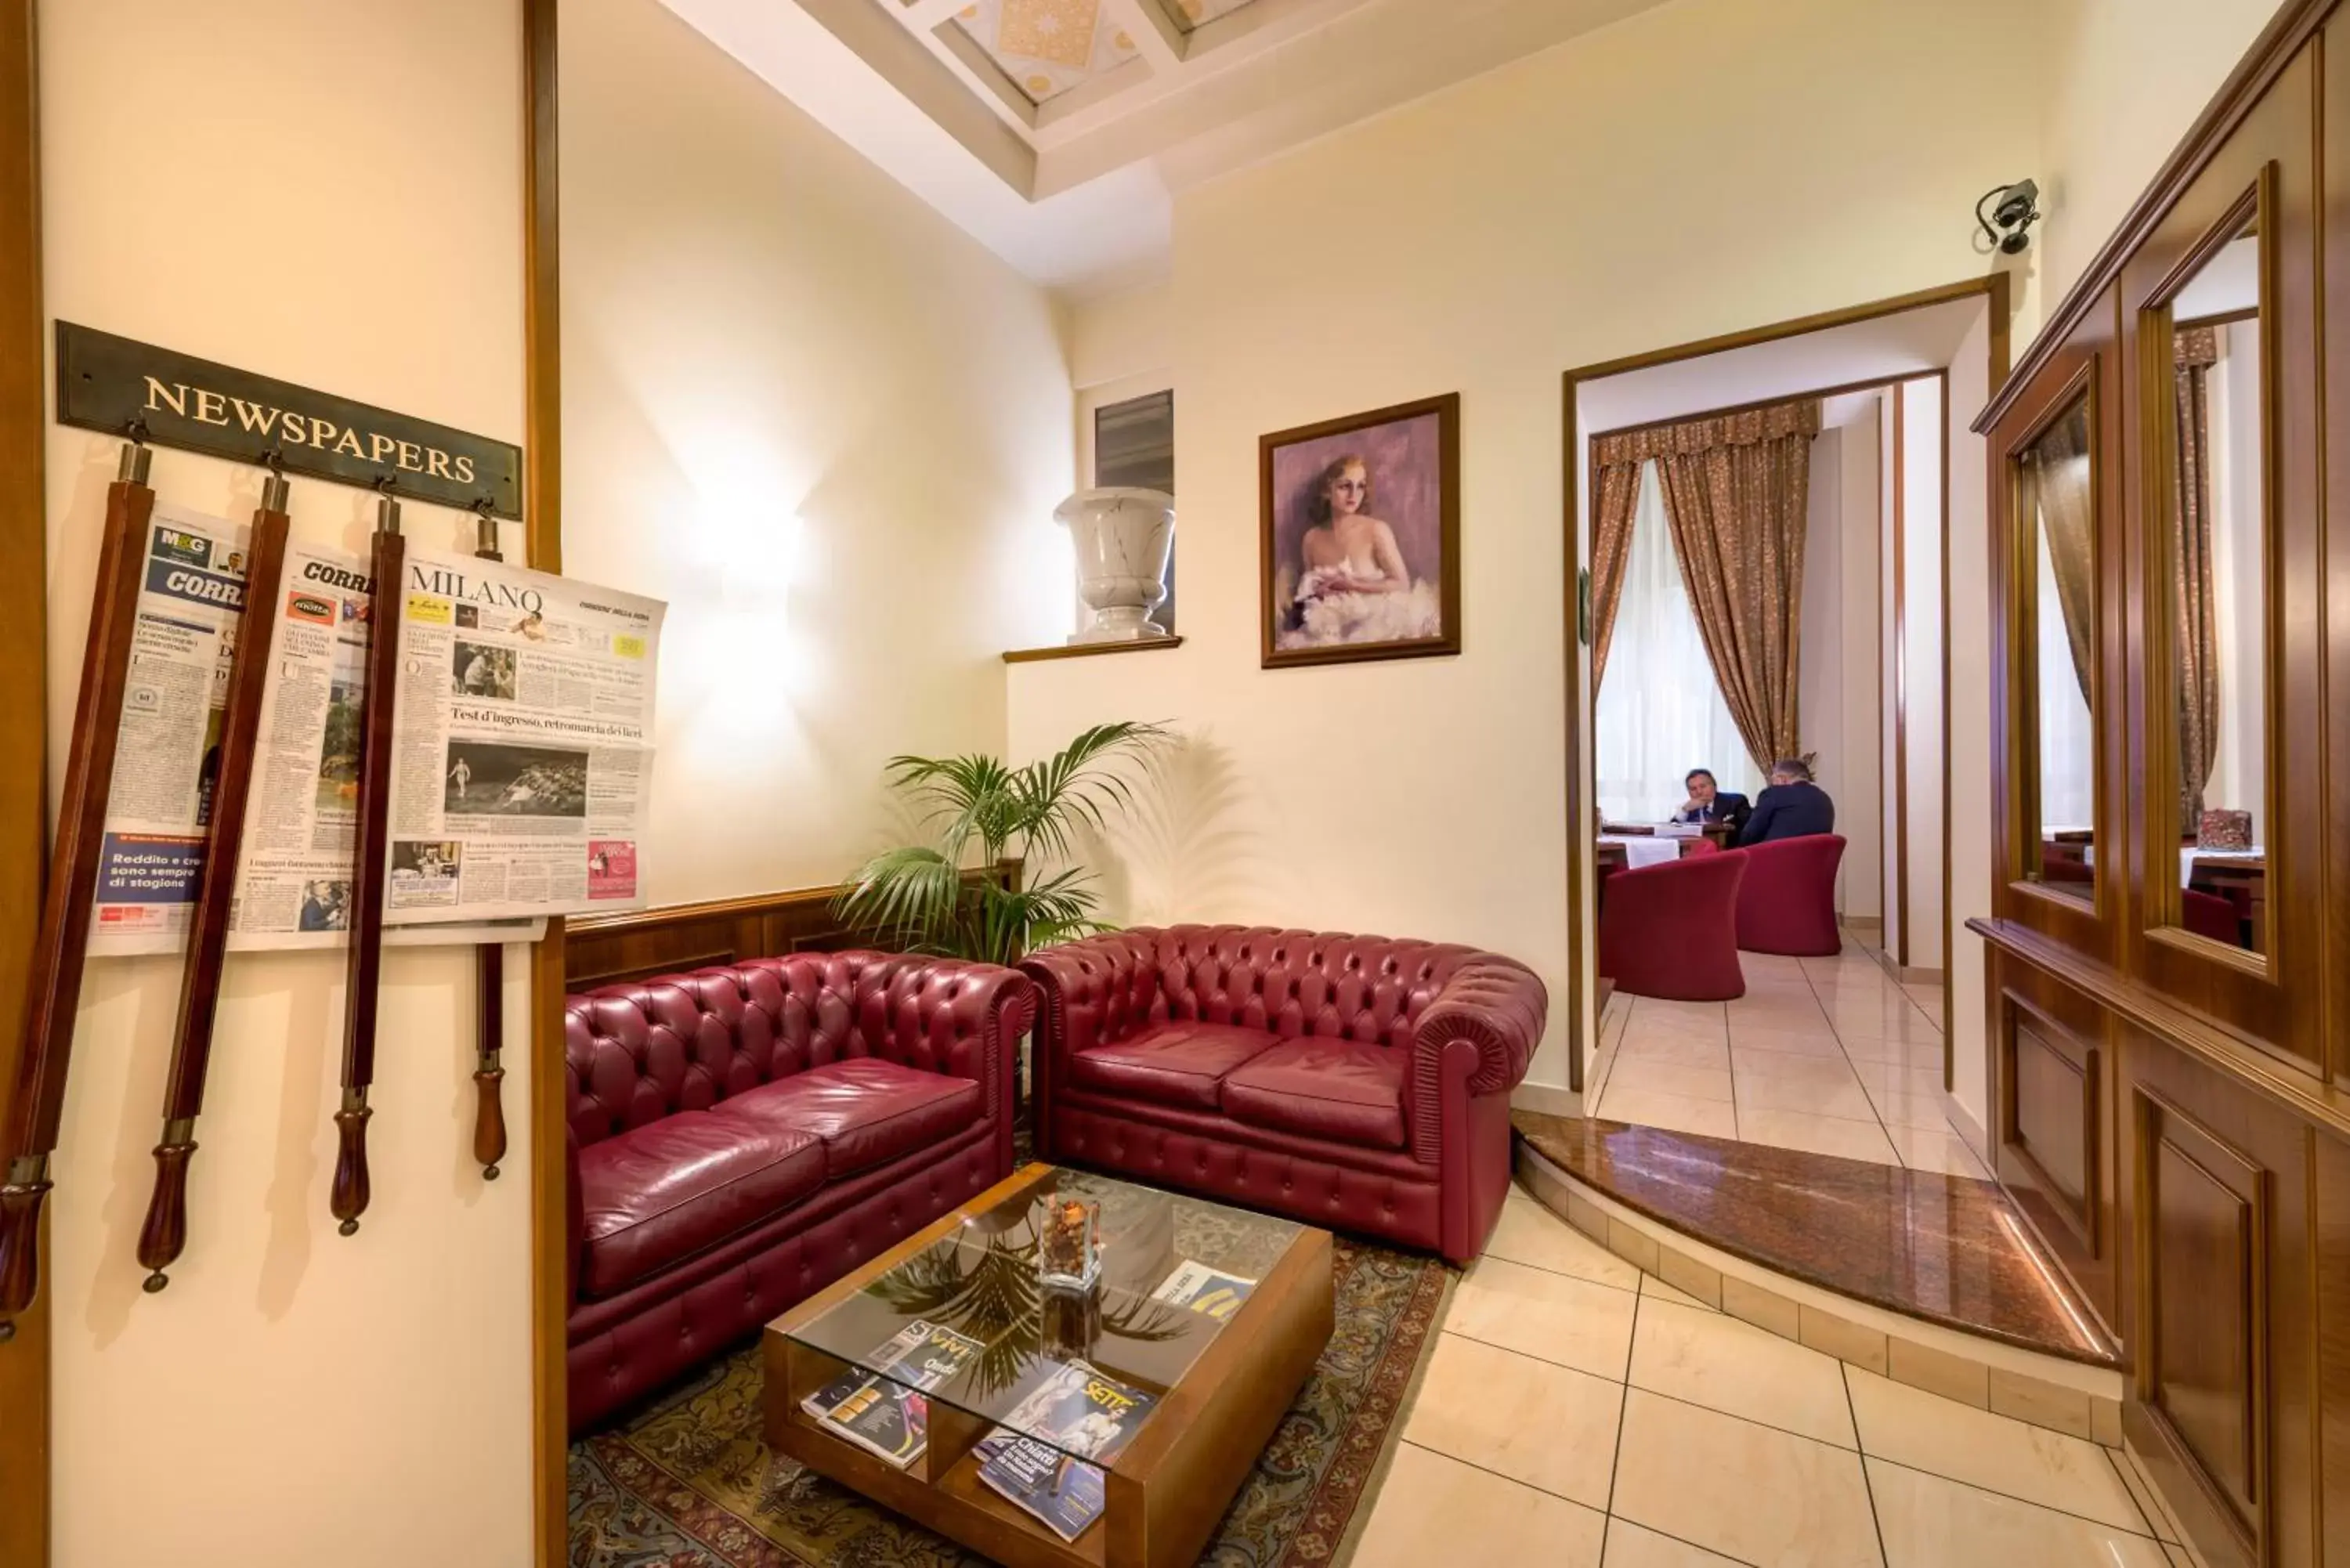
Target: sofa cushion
(1343, 1090)
(1176, 1064)
(868, 1110)
(659, 1193)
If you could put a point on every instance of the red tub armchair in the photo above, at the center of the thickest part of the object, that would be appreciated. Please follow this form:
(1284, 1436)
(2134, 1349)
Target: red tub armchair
(1671, 930)
(1787, 904)
(742, 1136)
(1351, 1082)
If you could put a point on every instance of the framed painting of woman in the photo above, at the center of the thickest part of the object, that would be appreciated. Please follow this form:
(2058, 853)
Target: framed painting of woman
(1361, 536)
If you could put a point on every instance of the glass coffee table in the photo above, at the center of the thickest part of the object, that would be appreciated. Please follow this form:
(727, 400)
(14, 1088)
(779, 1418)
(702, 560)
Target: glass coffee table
(947, 1377)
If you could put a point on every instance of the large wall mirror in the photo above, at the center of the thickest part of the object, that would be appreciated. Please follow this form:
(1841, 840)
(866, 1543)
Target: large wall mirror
(2055, 514)
(2212, 594)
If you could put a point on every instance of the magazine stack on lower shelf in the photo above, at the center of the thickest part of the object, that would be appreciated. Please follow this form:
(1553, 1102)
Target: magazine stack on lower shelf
(1075, 1413)
(886, 1413)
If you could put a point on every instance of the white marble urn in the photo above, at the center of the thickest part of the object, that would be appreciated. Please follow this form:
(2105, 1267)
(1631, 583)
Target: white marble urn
(1122, 538)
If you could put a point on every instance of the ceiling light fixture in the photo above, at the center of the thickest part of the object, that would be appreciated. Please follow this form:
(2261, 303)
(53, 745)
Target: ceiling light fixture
(2018, 210)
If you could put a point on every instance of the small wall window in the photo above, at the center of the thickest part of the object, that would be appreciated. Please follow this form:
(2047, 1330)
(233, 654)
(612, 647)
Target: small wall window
(1134, 444)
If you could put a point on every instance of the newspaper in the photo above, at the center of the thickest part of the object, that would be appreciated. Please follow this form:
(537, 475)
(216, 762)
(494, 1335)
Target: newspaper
(295, 871)
(190, 597)
(522, 744)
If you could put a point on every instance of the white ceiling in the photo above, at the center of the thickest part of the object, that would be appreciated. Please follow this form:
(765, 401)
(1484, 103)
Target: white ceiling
(1056, 132)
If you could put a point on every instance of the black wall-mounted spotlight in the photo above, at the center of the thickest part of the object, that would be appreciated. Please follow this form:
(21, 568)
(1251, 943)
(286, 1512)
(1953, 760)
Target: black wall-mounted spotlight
(2009, 226)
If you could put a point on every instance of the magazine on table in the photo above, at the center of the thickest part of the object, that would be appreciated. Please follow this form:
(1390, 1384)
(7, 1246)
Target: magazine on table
(1066, 1493)
(1205, 1289)
(1072, 1413)
(887, 1414)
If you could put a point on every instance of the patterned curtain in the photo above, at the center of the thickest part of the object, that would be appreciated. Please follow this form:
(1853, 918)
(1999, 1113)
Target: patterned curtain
(1615, 499)
(2193, 636)
(2057, 471)
(1736, 490)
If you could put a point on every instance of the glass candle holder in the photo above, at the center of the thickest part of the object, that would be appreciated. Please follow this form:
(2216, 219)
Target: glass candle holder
(1068, 1249)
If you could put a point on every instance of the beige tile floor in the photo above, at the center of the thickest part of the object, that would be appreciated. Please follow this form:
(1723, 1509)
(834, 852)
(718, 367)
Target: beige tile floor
(1576, 1413)
(1829, 1056)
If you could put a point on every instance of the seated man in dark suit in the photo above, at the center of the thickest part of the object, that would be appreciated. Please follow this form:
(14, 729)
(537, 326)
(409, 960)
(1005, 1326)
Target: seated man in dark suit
(1709, 802)
(1793, 807)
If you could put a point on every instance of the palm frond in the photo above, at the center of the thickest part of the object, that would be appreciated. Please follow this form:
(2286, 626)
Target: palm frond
(1058, 793)
(907, 894)
(916, 897)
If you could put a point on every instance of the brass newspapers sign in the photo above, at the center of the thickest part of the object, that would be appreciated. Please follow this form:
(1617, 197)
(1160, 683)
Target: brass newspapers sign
(110, 383)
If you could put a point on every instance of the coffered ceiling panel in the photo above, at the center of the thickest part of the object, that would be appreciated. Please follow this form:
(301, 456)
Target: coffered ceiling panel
(1189, 14)
(1058, 130)
(1044, 48)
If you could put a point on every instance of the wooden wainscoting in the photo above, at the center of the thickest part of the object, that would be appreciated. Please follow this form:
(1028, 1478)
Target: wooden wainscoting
(2053, 1072)
(609, 950)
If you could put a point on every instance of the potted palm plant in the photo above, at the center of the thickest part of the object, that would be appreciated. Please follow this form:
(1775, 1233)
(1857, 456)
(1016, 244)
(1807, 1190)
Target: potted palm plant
(917, 899)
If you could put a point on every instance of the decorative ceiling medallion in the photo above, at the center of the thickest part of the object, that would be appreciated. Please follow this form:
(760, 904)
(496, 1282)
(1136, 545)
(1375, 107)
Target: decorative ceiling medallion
(1060, 31)
(1044, 48)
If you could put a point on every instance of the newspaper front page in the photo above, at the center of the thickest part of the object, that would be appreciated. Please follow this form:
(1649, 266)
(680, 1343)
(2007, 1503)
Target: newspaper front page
(191, 596)
(522, 745)
(294, 872)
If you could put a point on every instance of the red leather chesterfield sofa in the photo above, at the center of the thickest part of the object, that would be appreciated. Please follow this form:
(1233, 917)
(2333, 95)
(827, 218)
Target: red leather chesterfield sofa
(1351, 1082)
(741, 1137)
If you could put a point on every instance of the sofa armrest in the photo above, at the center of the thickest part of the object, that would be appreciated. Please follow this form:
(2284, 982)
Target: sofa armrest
(1492, 1007)
(1092, 991)
(951, 1016)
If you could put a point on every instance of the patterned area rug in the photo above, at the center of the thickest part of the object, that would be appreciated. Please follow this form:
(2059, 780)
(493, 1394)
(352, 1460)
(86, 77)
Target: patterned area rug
(688, 1484)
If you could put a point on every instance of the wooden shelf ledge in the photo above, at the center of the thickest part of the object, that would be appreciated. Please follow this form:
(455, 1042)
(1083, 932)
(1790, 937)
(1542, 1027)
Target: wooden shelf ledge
(1081, 650)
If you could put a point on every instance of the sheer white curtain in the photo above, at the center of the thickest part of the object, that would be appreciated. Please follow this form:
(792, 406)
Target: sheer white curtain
(1660, 712)
(2067, 742)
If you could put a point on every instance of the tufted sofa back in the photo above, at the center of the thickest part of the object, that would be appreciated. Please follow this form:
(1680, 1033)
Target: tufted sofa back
(636, 1053)
(1367, 988)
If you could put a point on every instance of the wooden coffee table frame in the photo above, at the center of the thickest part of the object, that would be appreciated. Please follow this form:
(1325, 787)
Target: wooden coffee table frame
(1166, 1490)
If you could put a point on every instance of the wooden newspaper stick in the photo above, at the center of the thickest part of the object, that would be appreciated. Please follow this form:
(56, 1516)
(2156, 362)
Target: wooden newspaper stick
(489, 968)
(388, 558)
(165, 1231)
(53, 987)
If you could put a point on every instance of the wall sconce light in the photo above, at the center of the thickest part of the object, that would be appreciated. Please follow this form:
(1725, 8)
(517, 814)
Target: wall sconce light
(2009, 227)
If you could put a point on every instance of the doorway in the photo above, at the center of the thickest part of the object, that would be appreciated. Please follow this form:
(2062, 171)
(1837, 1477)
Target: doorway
(1884, 393)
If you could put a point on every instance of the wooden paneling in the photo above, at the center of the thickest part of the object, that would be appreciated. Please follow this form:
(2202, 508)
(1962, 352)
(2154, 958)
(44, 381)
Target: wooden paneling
(2086, 365)
(2230, 1221)
(2270, 157)
(2055, 1118)
(608, 949)
(2174, 1113)
(23, 721)
(2332, 1229)
(2052, 1083)
(550, 1283)
(2334, 242)
(2206, 1276)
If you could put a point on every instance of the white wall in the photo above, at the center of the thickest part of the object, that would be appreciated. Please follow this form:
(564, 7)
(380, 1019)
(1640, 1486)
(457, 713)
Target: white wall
(1921, 628)
(1972, 745)
(330, 194)
(1484, 241)
(2125, 80)
(1892, 785)
(1860, 782)
(1839, 683)
(824, 423)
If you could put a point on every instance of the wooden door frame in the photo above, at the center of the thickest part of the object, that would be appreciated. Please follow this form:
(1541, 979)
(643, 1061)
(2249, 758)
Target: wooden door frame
(550, 1298)
(23, 727)
(1582, 935)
